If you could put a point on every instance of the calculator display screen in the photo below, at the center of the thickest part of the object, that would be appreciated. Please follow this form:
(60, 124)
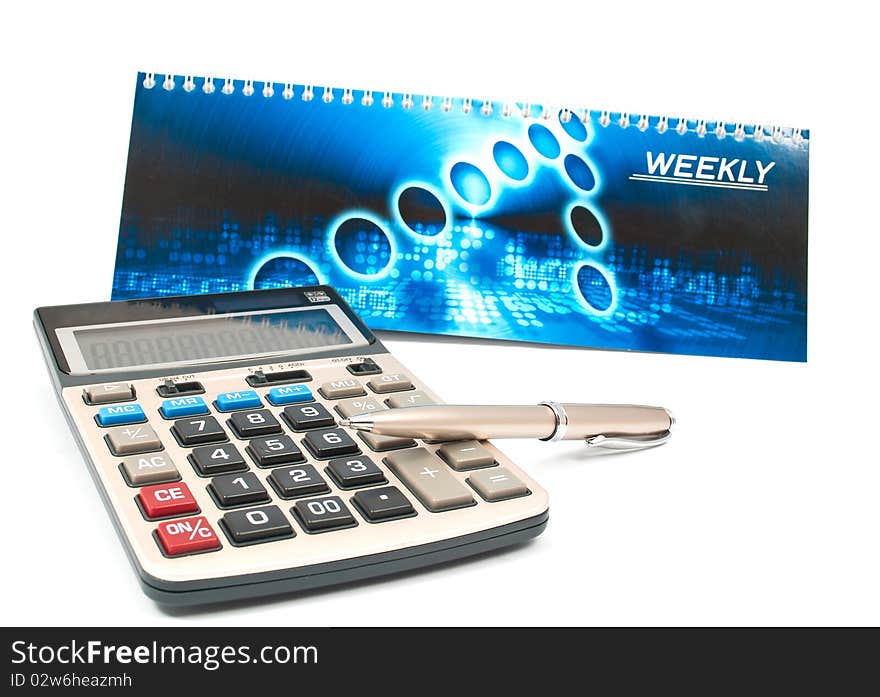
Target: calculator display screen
(209, 338)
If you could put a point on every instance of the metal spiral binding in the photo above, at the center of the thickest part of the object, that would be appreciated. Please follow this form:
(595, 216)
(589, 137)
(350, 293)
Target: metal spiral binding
(643, 122)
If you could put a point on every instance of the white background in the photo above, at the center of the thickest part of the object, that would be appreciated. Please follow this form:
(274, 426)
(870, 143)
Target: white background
(763, 509)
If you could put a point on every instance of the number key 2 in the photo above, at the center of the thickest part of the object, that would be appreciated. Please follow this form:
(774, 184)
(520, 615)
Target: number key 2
(238, 489)
(321, 515)
(293, 482)
(330, 443)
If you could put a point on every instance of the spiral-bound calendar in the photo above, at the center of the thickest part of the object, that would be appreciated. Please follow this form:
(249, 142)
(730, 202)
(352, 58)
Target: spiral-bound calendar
(473, 217)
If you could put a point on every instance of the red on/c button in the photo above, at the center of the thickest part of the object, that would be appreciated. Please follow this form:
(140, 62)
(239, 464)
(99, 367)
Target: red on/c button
(162, 500)
(186, 536)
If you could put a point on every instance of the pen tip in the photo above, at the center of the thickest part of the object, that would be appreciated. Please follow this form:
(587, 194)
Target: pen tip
(345, 422)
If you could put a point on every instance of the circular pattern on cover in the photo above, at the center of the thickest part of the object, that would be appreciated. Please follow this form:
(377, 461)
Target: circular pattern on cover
(544, 141)
(594, 288)
(510, 160)
(579, 173)
(362, 246)
(285, 271)
(470, 183)
(574, 126)
(586, 226)
(421, 211)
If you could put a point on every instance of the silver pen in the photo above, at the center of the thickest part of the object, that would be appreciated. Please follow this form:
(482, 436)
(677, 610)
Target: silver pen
(612, 426)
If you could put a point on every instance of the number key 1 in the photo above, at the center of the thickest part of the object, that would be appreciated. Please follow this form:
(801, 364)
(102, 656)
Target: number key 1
(237, 490)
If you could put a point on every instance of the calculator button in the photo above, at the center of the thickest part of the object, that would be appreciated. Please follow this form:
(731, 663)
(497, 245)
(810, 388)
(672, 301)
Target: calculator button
(271, 452)
(380, 444)
(497, 484)
(384, 503)
(179, 407)
(165, 500)
(360, 405)
(132, 440)
(205, 429)
(466, 455)
(238, 489)
(302, 418)
(256, 525)
(121, 414)
(249, 424)
(330, 443)
(321, 515)
(354, 472)
(217, 459)
(392, 382)
(410, 399)
(346, 387)
(292, 482)
(108, 392)
(186, 536)
(243, 399)
(149, 469)
(429, 480)
(289, 394)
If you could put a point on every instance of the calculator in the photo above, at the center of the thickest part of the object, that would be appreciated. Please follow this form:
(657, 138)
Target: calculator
(210, 425)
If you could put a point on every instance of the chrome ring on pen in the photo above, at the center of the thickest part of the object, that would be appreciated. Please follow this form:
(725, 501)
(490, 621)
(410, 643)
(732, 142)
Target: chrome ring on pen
(561, 416)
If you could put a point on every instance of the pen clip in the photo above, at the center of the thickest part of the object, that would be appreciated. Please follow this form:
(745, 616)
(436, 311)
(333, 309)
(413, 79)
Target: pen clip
(623, 443)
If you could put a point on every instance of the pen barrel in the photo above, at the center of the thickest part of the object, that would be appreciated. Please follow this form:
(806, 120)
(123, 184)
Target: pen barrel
(463, 422)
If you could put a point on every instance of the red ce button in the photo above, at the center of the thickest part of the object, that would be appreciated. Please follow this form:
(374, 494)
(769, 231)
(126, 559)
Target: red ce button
(164, 500)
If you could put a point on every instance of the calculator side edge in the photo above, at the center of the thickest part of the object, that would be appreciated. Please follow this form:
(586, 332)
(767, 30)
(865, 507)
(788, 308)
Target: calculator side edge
(55, 374)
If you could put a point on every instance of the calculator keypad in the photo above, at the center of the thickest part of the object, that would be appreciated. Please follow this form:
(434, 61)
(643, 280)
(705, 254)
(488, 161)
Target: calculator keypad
(204, 429)
(344, 387)
(166, 500)
(306, 416)
(188, 536)
(250, 424)
(430, 480)
(178, 407)
(353, 472)
(293, 482)
(333, 442)
(238, 490)
(121, 414)
(156, 468)
(217, 459)
(108, 392)
(324, 514)
(387, 503)
(282, 443)
(132, 440)
(274, 451)
(256, 525)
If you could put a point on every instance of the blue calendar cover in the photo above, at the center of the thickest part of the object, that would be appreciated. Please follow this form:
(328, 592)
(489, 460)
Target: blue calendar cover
(473, 217)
